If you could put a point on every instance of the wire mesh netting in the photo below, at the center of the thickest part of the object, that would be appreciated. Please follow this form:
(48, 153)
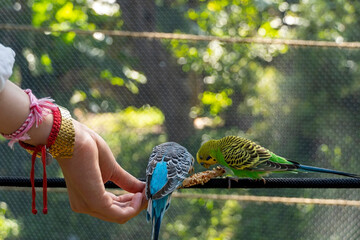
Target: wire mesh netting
(99, 58)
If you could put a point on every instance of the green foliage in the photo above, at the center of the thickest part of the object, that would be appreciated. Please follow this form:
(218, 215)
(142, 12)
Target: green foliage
(216, 101)
(236, 67)
(60, 15)
(302, 103)
(133, 79)
(8, 227)
(219, 219)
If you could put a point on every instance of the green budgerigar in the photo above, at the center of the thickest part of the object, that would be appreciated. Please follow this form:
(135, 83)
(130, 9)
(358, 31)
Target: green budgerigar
(245, 158)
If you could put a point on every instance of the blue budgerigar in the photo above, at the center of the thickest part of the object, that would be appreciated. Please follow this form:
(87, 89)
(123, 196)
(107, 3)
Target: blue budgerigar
(169, 164)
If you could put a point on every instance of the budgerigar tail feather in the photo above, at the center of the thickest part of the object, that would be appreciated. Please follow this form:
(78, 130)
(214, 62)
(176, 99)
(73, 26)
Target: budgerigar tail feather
(149, 211)
(159, 208)
(156, 228)
(324, 170)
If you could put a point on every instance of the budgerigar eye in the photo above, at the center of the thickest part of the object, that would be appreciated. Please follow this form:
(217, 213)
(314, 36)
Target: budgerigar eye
(208, 158)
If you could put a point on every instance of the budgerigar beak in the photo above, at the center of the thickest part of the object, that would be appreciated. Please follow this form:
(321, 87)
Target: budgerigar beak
(192, 170)
(206, 165)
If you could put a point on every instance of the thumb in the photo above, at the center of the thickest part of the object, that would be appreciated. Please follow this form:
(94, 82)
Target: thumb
(126, 181)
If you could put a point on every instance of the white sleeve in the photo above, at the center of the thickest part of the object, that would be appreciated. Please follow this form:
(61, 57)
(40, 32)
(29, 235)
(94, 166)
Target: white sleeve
(7, 59)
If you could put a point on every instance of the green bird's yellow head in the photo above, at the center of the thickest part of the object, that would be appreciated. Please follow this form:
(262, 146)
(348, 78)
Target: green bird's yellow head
(205, 156)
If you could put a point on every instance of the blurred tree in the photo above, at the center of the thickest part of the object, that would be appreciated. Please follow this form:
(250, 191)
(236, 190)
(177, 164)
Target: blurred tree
(167, 86)
(233, 69)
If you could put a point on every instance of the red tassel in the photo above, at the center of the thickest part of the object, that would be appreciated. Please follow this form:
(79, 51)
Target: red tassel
(42, 148)
(32, 180)
(43, 156)
(39, 148)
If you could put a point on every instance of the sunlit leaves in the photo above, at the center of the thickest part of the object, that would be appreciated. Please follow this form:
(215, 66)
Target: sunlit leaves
(132, 117)
(8, 227)
(114, 80)
(268, 30)
(216, 5)
(67, 37)
(41, 12)
(60, 15)
(46, 62)
(192, 14)
(133, 78)
(78, 96)
(217, 101)
(142, 117)
(232, 66)
(67, 13)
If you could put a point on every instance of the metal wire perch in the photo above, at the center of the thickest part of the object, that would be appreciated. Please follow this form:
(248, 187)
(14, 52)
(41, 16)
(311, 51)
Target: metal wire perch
(213, 183)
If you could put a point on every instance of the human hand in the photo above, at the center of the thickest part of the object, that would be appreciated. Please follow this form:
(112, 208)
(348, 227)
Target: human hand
(85, 173)
(91, 165)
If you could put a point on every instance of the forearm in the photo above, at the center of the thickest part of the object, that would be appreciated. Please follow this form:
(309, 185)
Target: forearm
(15, 108)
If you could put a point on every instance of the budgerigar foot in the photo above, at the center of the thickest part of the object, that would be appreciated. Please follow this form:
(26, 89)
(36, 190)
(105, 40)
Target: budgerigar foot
(261, 179)
(229, 181)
